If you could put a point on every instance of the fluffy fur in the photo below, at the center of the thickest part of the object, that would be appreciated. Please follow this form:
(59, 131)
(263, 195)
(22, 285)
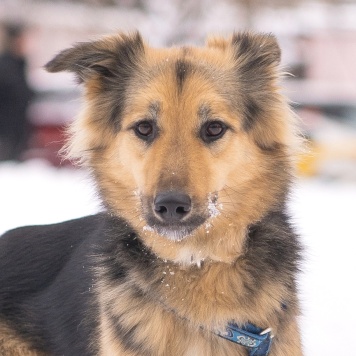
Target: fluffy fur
(206, 127)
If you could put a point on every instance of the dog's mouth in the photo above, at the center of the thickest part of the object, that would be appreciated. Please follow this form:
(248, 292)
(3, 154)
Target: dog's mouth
(175, 232)
(175, 215)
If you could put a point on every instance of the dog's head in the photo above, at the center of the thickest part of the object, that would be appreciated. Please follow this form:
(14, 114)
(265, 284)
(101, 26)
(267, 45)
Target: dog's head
(190, 144)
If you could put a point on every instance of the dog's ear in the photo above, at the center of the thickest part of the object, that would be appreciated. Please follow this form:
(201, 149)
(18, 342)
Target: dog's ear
(256, 51)
(107, 57)
(257, 58)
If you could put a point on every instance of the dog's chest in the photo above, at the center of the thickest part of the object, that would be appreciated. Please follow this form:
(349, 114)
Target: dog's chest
(157, 333)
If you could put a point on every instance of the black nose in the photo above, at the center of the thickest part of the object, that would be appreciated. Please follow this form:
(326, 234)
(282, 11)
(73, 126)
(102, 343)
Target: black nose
(172, 206)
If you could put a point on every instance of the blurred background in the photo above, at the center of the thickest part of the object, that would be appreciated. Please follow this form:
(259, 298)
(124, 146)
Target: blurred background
(318, 41)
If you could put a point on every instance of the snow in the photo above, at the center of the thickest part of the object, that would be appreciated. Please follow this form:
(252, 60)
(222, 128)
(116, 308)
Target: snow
(212, 207)
(36, 193)
(323, 212)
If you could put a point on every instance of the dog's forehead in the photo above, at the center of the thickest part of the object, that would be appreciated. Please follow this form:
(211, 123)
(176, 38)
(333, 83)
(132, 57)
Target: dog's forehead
(188, 100)
(184, 63)
(184, 79)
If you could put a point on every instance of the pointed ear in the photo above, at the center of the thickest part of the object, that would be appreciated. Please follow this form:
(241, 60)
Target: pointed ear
(106, 57)
(256, 51)
(257, 57)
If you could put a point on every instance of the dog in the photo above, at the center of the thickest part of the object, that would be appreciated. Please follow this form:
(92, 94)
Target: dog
(192, 150)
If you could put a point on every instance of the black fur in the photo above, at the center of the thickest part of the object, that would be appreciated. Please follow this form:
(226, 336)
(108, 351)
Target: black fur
(46, 284)
(183, 69)
(273, 248)
(47, 276)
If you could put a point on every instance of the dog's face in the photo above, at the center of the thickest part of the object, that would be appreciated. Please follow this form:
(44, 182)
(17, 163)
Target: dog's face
(180, 146)
(184, 142)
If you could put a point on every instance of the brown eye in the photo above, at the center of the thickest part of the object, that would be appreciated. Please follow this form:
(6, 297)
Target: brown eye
(145, 130)
(212, 131)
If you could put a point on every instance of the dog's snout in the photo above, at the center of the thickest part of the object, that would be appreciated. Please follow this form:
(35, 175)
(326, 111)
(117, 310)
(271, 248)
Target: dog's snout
(172, 206)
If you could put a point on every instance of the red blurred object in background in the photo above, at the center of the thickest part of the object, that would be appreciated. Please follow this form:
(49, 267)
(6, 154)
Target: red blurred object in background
(49, 115)
(45, 143)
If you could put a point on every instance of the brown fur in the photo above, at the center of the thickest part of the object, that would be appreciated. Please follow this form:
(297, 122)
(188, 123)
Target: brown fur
(194, 284)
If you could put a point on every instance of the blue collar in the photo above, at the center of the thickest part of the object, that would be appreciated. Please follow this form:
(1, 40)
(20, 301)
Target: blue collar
(256, 340)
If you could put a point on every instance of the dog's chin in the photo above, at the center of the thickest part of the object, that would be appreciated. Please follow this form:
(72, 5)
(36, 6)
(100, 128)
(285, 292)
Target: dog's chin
(174, 233)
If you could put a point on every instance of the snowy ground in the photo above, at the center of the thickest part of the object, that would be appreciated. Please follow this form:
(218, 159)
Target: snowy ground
(324, 213)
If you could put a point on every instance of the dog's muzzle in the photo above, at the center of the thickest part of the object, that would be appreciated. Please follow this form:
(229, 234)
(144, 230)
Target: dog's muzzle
(172, 214)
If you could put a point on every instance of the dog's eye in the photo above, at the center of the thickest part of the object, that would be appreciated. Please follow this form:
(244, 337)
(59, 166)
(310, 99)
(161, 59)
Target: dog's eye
(212, 131)
(145, 130)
